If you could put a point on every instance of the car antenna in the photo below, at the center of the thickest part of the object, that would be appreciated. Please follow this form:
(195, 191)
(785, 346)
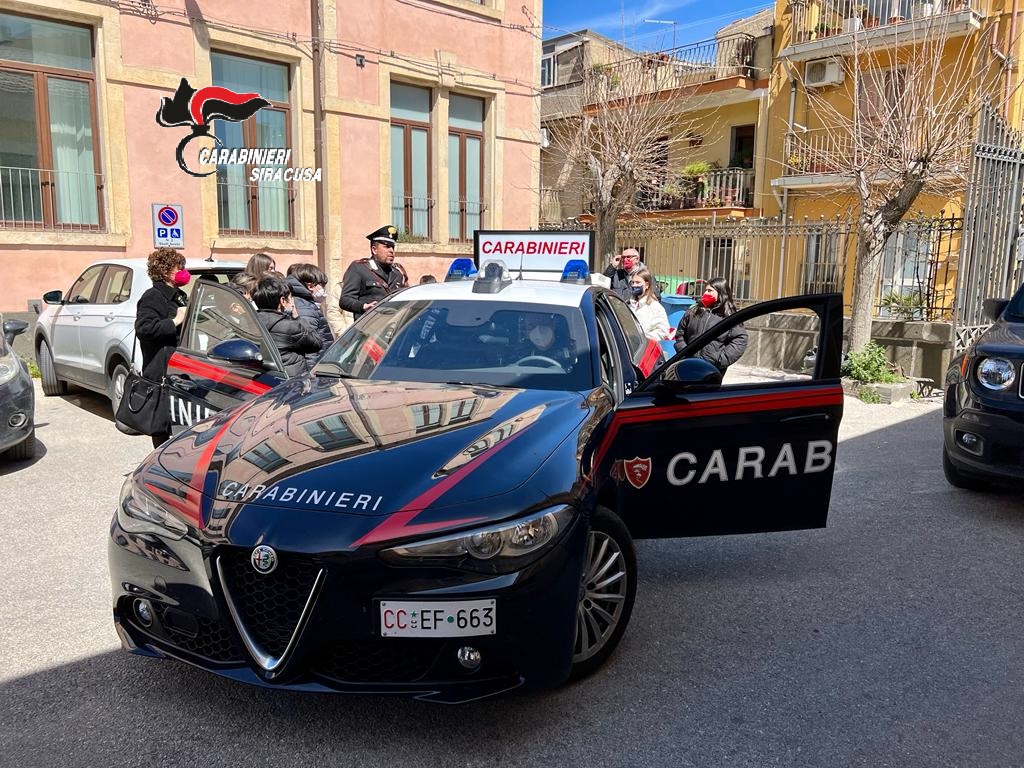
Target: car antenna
(521, 257)
(213, 245)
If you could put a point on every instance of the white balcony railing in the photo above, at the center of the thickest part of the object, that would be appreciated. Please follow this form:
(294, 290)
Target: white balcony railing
(821, 19)
(817, 152)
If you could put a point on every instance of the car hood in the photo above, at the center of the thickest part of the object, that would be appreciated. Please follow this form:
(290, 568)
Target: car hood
(372, 448)
(1002, 338)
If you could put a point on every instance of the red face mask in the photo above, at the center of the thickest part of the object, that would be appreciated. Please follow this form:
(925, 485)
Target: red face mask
(181, 277)
(708, 300)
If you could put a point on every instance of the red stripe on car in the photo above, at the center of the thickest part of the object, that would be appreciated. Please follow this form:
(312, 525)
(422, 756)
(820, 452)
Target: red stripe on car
(650, 358)
(214, 373)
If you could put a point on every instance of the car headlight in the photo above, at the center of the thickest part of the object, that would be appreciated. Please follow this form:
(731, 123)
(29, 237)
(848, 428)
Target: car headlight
(495, 548)
(9, 365)
(995, 373)
(139, 511)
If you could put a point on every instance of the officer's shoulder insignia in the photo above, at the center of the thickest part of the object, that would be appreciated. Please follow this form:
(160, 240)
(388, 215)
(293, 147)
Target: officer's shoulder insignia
(361, 261)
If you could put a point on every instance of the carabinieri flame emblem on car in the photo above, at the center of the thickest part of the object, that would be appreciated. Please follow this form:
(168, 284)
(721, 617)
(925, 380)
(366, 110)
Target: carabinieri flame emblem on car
(263, 559)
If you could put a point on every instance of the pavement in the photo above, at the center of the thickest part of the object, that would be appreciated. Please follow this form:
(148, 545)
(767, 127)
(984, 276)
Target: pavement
(890, 638)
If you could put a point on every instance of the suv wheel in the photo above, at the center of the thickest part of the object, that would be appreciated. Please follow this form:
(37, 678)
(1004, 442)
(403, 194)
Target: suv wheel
(51, 384)
(26, 449)
(958, 479)
(115, 384)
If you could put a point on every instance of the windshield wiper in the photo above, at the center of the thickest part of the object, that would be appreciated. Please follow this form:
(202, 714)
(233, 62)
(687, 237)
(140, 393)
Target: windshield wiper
(331, 371)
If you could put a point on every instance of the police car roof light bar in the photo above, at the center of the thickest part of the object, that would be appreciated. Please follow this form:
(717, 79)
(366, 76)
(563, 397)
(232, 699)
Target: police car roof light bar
(461, 269)
(576, 272)
(492, 277)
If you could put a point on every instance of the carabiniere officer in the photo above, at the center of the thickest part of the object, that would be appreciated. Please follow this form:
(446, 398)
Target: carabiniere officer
(367, 281)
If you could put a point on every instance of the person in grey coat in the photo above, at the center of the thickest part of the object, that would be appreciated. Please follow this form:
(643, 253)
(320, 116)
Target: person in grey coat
(713, 307)
(309, 289)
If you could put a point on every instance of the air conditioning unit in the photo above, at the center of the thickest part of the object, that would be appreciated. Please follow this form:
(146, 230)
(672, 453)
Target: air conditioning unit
(822, 72)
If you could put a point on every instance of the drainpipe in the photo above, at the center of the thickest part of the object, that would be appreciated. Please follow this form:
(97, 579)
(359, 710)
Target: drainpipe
(785, 190)
(318, 133)
(1010, 59)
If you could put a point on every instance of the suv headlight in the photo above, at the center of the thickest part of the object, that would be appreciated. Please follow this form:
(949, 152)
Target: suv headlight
(495, 548)
(10, 366)
(139, 511)
(996, 373)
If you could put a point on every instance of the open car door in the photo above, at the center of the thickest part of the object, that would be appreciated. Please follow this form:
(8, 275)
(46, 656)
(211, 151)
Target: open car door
(688, 454)
(225, 356)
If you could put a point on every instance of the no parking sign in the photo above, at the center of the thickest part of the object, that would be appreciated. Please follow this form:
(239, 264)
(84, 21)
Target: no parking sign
(168, 230)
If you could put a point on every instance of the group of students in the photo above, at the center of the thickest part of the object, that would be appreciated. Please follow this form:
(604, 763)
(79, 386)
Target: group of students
(631, 279)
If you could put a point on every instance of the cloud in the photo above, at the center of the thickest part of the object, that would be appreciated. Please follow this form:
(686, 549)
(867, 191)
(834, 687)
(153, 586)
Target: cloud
(612, 21)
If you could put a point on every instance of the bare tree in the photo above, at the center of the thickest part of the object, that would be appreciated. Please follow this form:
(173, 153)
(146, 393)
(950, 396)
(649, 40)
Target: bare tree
(902, 125)
(616, 131)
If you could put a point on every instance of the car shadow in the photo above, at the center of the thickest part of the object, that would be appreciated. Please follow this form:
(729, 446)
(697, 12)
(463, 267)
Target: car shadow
(8, 467)
(87, 400)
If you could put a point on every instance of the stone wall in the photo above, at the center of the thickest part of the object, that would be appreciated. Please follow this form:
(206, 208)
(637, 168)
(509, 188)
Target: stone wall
(781, 340)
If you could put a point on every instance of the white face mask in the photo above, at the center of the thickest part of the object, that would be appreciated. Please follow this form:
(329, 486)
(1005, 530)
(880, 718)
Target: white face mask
(542, 336)
(318, 292)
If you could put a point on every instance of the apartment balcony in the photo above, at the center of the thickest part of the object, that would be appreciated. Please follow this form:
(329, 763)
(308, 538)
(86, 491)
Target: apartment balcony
(55, 201)
(550, 206)
(719, 188)
(815, 158)
(831, 27)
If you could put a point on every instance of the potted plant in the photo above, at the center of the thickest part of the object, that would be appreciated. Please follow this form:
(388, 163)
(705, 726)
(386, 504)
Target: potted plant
(697, 174)
(854, 21)
(795, 161)
(822, 30)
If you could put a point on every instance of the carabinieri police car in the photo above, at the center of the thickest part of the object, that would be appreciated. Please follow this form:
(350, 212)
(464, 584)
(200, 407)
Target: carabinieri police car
(446, 506)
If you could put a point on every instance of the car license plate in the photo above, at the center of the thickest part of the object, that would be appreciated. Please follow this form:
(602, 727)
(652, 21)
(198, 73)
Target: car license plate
(458, 618)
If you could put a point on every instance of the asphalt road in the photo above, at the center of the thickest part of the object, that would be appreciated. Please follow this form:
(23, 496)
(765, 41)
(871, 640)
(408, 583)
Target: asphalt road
(891, 638)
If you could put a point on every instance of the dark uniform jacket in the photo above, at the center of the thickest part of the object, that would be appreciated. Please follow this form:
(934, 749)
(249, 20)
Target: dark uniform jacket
(309, 310)
(722, 351)
(366, 281)
(155, 328)
(620, 282)
(294, 338)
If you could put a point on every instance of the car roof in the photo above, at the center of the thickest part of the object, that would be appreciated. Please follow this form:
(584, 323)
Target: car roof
(190, 264)
(547, 292)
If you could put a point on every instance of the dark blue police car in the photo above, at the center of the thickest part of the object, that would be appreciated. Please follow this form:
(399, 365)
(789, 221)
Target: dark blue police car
(983, 424)
(446, 506)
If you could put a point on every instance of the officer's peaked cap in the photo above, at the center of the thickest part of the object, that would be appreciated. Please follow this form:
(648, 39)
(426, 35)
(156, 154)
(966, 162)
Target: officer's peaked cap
(386, 234)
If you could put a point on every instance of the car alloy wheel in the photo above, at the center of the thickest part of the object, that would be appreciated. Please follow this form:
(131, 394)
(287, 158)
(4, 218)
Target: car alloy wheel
(51, 384)
(606, 594)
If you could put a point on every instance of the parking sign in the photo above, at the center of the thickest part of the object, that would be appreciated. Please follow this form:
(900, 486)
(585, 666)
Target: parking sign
(168, 230)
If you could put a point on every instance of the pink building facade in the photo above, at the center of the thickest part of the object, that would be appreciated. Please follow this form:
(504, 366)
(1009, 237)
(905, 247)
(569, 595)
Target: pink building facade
(430, 121)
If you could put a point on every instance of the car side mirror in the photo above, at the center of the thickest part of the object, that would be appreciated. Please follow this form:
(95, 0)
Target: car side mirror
(692, 374)
(12, 328)
(53, 297)
(993, 308)
(240, 352)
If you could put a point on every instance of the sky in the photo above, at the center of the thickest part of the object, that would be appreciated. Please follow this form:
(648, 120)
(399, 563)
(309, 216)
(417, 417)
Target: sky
(696, 20)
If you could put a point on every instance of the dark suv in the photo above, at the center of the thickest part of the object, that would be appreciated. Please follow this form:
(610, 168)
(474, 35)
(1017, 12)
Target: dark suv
(983, 424)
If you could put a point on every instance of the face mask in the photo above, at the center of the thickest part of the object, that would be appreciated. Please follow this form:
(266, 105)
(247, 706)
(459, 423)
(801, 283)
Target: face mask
(628, 264)
(638, 290)
(542, 336)
(708, 300)
(181, 277)
(318, 292)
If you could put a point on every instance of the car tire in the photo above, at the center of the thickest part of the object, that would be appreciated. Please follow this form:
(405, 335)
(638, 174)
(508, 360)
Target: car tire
(958, 479)
(48, 377)
(608, 590)
(26, 449)
(115, 384)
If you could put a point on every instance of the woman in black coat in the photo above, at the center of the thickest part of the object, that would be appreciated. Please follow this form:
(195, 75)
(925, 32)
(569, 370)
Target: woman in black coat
(712, 308)
(159, 316)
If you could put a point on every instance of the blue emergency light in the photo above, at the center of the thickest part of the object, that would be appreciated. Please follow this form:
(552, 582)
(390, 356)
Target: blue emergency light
(460, 269)
(576, 272)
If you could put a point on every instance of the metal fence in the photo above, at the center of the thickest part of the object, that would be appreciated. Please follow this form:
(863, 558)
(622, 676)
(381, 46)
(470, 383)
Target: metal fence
(766, 259)
(34, 198)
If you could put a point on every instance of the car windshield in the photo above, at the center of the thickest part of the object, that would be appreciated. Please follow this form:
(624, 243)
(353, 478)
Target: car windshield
(474, 342)
(1015, 310)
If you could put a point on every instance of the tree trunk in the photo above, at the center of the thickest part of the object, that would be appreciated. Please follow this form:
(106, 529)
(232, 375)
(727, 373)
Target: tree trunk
(871, 236)
(605, 223)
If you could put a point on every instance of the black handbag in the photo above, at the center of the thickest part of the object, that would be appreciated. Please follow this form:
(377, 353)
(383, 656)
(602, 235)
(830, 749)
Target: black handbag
(143, 406)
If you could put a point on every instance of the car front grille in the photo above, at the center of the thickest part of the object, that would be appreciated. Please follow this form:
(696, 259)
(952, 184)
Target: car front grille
(387, 660)
(269, 605)
(212, 640)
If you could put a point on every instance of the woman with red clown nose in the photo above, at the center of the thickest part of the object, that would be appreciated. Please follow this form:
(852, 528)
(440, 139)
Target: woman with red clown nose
(711, 308)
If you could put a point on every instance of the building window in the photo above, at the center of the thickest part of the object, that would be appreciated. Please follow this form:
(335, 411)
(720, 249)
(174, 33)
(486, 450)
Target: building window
(253, 207)
(465, 166)
(332, 433)
(547, 70)
(822, 268)
(426, 417)
(411, 204)
(880, 92)
(49, 160)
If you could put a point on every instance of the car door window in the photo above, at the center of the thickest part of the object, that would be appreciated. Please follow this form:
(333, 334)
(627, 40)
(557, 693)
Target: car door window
(116, 285)
(635, 337)
(218, 314)
(83, 290)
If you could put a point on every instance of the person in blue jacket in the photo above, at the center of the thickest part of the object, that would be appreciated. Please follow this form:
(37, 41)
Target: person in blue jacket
(309, 289)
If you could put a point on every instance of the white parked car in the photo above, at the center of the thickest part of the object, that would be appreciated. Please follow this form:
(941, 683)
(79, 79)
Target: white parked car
(86, 336)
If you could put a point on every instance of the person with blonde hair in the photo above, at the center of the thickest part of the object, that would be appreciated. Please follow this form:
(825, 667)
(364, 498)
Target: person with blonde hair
(651, 315)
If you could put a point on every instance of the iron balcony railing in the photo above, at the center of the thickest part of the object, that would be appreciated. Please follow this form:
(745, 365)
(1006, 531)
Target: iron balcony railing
(40, 199)
(550, 205)
(819, 19)
(264, 208)
(688, 65)
(817, 151)
(719, 188)
(464, 218)
(413, 216)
